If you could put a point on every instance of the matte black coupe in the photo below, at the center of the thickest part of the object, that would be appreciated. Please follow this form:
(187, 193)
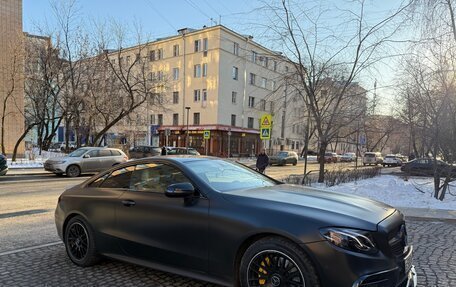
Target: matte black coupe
(222, 222)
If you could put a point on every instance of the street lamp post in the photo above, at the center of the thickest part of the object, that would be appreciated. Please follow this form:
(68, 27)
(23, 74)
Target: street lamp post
(186, 137)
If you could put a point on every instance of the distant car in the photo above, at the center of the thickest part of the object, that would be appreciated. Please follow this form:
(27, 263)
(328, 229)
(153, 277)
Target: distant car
(348, 157)
(392, 160)
(425, 166)
(144, 151)
(283, 158)
(3, 165)
(330, 157)
(87, 159)
(181, 150)
(374, 158)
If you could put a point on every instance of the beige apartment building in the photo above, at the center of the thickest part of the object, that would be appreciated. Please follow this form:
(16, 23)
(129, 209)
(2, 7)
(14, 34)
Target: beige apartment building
(11, 72)
(223, 82)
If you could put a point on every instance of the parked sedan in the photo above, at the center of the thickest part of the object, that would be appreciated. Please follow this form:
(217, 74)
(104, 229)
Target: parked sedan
(144, 151)
(3, 165)
(219, 221)
(83, 160)
(425, 166)
(392, 160)
(348, 157)
(181, 151)
(284, 158)
(330, 157)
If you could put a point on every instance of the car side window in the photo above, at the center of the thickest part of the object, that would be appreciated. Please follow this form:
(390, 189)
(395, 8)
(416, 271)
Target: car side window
(120, 178)
(155, 177)
(104, 152)
(93, 153)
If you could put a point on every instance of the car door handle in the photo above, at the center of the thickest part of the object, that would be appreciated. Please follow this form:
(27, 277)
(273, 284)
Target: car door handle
(128, 202)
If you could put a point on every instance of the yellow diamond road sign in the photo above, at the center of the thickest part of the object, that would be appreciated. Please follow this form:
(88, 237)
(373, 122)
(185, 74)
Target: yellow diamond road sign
(265, 133)
(207, 135)
(266, 121)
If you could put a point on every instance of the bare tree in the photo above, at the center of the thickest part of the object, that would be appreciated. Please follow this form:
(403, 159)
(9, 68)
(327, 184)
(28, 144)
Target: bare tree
(326, 65)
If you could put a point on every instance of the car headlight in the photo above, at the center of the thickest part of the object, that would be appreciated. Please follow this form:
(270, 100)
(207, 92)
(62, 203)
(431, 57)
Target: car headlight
(350, 239)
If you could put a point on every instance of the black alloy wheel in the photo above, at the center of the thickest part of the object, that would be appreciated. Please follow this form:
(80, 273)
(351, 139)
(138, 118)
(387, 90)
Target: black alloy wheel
(276, 262)
(274, 268)
(80, 243)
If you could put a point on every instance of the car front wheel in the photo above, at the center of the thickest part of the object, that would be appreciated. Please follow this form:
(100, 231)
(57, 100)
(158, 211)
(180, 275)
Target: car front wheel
(80, 243)
(73, 171)
(274, 261)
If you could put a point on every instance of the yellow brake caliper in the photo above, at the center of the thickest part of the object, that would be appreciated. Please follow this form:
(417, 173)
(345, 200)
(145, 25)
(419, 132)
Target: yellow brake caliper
(261, 270)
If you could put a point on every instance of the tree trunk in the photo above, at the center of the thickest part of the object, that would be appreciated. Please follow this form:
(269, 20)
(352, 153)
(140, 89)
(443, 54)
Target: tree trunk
(321, 153)
(18, 142)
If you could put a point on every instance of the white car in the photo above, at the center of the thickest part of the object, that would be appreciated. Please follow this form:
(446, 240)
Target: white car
(392, 160)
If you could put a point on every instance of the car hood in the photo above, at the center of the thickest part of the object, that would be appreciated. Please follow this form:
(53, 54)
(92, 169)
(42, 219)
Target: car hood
(335, 207)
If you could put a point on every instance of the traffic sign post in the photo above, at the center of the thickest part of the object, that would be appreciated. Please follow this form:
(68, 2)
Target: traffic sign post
(265, 133)
(206, 137)
(265, 127)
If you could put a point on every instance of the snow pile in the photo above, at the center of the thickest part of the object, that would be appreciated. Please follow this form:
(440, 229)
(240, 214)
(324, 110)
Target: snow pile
(395, 191)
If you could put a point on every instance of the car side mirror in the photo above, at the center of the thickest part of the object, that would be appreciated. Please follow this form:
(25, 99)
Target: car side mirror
(184, 189)
(86, 156)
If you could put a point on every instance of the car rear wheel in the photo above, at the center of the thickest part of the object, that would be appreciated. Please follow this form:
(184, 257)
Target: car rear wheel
(274, 261)
(80, 243)
(73, 171)
(295, 162)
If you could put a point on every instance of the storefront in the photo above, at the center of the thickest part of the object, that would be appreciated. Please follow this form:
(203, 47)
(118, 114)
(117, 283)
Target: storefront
(223, 140)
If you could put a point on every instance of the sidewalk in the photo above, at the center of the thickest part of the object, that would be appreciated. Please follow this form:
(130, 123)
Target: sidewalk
(27, 171)
(426, 213)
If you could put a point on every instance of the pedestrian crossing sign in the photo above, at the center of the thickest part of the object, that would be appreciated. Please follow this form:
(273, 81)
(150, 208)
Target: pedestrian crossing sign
(265, 133)
(207, 135)
(266, 121)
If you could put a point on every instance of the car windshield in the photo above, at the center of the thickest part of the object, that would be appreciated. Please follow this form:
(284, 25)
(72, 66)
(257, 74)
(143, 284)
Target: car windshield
(78, 152)
(282, 154)
(390, 156)
(369, 155)
(224, 176)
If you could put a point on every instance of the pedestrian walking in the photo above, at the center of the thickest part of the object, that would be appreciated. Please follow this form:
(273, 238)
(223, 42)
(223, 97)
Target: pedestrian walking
(164, 151)
(262, 161)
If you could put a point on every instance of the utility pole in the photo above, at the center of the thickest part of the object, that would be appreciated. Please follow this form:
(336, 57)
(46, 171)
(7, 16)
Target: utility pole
(229, 142)
(187, 135)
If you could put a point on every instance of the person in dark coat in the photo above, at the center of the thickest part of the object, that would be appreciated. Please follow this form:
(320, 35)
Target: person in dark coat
(164, 152)
(262, 161)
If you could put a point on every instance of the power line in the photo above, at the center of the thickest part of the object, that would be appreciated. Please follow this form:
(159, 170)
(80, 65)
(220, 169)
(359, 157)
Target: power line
(194, 6)
(160, 15)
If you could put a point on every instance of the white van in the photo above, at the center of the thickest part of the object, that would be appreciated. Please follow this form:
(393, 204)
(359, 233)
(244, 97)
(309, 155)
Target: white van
(372, 158)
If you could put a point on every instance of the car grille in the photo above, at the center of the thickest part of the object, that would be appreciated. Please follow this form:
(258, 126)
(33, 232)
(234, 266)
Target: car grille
(397, 240)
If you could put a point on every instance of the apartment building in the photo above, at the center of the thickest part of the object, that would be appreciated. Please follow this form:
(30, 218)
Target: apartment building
(216, 80)
(11, 73)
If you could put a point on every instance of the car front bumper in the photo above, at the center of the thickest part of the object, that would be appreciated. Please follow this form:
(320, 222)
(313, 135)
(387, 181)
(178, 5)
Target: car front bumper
(3, 171)
(55, 167)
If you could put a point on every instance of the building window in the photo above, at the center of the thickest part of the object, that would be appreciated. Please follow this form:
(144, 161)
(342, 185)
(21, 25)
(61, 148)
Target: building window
(264, 82)
(196, 118)
(160, 54)
(160, 76)
(205, 70)
(273, 85)
(275, 66)
(175, 97)
(263, 105)
(175, 119)
(176, 50)
(152, 119)
(236, 48)
(265, 62)
(138, 58)
(175, 74)
(254, 56)
(151, 56)
(205, 47)
(252, 79)
(251, 102)
(233, 97)
(197, 45)
(233, 120)
(197, 71)
(234, 73)
(160, 119)
(250, 122)
(197, 95)
(128, 60)
(204, 95)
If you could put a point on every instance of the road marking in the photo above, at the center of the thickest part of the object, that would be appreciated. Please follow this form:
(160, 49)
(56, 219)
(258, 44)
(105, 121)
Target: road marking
(31, 248)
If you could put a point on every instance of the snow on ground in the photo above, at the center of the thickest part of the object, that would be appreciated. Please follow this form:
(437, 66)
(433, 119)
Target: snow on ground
(397, 192)
(33, 159)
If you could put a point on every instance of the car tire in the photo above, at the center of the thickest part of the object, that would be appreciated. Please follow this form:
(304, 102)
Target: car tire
(80, 243)
(295, 162)
(59, 174)
(283, 252)
(73, 171)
